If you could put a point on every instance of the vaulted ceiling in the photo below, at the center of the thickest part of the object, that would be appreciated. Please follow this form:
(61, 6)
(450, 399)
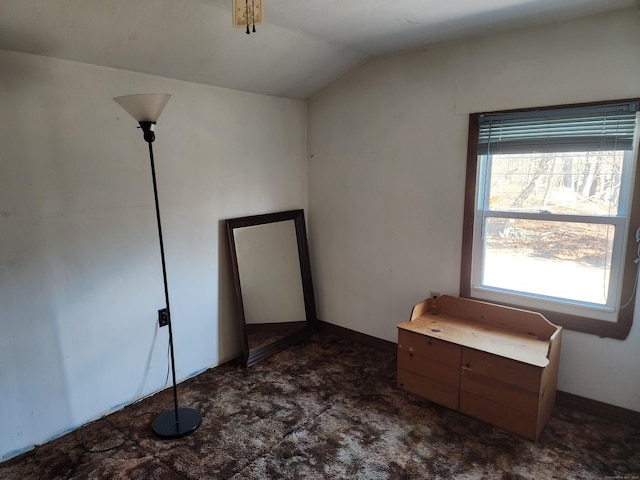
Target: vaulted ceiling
(302, 47)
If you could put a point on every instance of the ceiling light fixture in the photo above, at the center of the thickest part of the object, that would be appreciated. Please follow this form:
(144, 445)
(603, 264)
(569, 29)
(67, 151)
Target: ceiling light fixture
(247, 12)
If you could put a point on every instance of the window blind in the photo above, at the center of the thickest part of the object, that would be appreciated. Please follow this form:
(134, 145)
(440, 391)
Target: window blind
(595, 128)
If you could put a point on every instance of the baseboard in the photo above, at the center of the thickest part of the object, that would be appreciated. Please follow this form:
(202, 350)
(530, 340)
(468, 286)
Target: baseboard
(599, 409)
(363, 338)
(565, 399)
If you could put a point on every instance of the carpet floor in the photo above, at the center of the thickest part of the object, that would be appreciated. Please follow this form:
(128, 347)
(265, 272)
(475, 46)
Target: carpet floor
(327, 408)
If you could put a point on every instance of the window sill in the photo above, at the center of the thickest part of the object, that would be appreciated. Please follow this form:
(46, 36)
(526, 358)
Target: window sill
(618, 330)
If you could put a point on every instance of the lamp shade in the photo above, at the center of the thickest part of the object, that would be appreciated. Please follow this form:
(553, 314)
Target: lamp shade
(144, 107)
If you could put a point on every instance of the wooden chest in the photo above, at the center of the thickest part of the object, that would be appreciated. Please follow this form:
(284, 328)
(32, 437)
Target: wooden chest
(494, 363)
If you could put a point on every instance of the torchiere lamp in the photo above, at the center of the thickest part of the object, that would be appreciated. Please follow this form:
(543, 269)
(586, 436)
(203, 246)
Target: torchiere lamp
(146, 108)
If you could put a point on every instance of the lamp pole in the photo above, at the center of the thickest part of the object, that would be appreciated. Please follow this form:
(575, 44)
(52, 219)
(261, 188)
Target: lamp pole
(149, 139)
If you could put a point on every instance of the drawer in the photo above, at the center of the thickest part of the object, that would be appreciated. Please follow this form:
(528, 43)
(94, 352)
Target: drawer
(426, 388)
(499, 392)
(429, 347)
(496, 414)
(427, 367)
(502, 369)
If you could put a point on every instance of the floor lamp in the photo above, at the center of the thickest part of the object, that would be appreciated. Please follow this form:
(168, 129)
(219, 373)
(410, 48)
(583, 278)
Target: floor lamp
(146, 108)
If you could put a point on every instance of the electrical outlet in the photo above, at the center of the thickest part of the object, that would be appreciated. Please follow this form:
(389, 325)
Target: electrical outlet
(163, 317)
(434, 295)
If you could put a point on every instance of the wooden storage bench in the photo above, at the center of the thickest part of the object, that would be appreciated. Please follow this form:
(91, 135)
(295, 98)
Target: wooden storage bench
(494, 363)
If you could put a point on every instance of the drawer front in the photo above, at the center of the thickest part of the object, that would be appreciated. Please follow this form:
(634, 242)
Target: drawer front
(429, 347)
(429, 389)
(429, 368)
(502, 369)
(499, 392)
(504, 417)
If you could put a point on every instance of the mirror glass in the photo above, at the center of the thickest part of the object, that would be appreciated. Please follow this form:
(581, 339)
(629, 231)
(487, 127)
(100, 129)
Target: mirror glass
(273, 281)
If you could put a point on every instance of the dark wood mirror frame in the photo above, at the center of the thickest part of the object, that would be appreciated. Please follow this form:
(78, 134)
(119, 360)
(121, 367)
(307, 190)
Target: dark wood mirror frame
(250, 357)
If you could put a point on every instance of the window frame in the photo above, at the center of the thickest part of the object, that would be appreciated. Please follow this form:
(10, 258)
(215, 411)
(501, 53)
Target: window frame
(618, 329)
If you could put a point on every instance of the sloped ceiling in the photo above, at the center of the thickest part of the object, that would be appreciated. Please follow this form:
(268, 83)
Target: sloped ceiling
(302, 47)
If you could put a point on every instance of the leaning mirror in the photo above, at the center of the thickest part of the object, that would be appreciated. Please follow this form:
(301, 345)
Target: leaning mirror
(274, 291)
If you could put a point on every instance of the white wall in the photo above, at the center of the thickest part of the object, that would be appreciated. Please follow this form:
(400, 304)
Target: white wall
(80, 271)
(387, 149)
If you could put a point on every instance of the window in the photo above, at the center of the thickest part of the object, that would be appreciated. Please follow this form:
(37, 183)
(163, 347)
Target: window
(551, 214)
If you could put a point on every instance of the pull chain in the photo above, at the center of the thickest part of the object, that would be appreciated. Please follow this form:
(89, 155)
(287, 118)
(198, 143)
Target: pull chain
(253, 15)
(247, 15)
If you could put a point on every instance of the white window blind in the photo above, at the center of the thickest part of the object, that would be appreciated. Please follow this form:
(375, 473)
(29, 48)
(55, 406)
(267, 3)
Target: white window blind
(597, 128)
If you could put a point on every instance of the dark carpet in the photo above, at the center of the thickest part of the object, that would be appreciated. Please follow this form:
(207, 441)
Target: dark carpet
(328, 408)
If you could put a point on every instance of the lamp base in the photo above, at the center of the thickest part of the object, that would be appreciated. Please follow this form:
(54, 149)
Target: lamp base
(165, 425)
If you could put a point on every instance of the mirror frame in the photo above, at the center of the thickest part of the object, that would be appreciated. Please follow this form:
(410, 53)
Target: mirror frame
(251, 357)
